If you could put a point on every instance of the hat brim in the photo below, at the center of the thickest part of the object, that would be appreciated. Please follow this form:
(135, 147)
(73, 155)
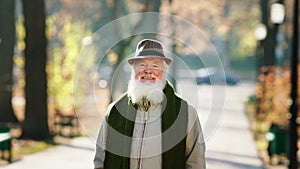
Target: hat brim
(133, 59)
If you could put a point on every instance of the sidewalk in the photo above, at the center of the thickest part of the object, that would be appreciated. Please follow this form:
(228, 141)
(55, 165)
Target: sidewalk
(231, 146)
(78, 154)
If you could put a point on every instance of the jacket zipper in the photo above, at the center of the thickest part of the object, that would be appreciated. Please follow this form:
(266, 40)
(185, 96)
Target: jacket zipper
(139, 165)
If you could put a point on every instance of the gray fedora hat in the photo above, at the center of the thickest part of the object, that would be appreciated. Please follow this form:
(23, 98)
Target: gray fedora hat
(149, 48)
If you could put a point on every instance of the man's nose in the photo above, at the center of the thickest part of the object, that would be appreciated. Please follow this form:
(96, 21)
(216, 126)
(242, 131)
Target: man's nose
(148, 70)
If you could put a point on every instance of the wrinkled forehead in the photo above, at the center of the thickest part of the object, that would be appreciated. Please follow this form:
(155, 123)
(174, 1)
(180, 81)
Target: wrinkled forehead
(150, 60)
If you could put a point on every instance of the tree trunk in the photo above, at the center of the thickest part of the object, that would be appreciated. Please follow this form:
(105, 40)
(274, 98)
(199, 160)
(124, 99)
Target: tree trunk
(7, 42)
(36, 118)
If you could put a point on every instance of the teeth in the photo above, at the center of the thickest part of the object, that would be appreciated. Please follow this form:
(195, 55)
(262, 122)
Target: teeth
(148, 76)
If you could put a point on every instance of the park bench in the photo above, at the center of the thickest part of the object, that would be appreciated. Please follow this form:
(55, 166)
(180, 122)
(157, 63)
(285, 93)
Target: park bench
(5, 144)
(66, 125)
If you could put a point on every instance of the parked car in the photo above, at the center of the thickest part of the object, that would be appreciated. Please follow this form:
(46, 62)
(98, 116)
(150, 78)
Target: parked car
(216, 76)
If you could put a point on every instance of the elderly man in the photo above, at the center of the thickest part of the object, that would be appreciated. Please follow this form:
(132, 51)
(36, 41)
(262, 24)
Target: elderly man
(150, 126)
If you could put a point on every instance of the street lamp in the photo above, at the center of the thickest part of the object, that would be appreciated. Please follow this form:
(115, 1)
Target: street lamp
(277, 13)
(260, 33)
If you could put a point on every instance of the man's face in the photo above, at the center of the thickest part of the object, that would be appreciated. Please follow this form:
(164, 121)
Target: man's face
(149, 69)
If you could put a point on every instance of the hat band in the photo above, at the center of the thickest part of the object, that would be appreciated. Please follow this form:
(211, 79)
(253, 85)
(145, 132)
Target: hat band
(151, 52)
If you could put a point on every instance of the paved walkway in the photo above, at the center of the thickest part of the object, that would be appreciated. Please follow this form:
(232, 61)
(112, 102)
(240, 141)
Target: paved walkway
(231, 146)
(78, 154)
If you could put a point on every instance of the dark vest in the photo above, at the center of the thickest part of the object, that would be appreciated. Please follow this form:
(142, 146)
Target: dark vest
(174, 128)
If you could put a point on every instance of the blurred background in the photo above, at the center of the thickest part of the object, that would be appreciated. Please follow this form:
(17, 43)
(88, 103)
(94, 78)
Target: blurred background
(256, 42)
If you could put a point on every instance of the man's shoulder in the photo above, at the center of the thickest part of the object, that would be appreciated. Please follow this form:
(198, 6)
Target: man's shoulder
(119, 99)
(191, 109)
(192, 112)
(115, 102)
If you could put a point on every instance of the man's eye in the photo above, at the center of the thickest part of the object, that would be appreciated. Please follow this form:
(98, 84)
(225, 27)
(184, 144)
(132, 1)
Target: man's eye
(142, 65)
(155, 66)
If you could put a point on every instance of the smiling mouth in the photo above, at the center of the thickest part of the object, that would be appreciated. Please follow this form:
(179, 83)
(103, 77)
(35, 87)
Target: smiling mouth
(148, 78)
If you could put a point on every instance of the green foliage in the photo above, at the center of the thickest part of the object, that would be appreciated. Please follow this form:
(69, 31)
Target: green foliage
(29, 147)
(18, 58)
(66, 37)
(247, 46)
(244, 17)
(232, 21)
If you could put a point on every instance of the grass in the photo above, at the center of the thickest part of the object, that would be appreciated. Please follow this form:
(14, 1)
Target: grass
(262, 144)
(25, 147)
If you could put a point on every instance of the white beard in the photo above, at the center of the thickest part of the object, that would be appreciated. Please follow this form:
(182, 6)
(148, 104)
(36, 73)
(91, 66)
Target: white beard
(152, 92)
